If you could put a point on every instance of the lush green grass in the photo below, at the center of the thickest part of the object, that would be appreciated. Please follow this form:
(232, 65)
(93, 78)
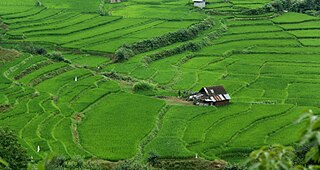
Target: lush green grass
(237, 23)
(306, 33)
(38, 16)
(86, 60)
(253, 28)
(62, 20)
(293, 50)
(310, 42)
(108, 123)
(292, 17)
(268, 66)
(26, 13)
(157, 11)
(303, 25)
(224, 48)
(169, 141)
(53, 85)
(63, 132)
(29, 77)
(81, 5)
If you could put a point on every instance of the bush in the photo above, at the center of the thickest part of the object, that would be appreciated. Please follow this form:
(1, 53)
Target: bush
(12, 154)
(143, 87)
(312, 12)
(57, 56)
(272, 157)
(55, 163)
(132, 165)
(123, 54)
(32, 49)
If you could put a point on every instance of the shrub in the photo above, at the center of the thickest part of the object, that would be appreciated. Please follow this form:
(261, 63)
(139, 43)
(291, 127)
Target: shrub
(55, 163)
(12, 154)
(143, 87)
(123, 54)
(114, 75)
(272, 157)
(32, 49)
(56, 56)
(132, 165)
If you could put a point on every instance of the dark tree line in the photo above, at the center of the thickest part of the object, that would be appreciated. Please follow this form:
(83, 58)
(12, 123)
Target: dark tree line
(293, 5)
(301, 6)
(129, 50)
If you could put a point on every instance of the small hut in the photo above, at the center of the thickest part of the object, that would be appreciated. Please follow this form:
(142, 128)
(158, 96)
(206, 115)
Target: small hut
(199, 3)
(211, 96)
(115, 1)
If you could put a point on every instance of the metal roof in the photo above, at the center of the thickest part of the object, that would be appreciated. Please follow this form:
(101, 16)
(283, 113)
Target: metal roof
(212, 93)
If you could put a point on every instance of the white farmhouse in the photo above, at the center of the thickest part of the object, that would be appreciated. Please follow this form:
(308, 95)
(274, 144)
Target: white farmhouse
(199, 3)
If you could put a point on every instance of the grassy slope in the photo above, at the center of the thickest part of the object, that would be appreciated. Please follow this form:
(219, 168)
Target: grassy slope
(263, 63)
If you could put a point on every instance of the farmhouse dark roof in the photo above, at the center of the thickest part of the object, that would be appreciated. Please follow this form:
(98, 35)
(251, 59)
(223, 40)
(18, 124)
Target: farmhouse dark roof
(212, 94)
(213, 90)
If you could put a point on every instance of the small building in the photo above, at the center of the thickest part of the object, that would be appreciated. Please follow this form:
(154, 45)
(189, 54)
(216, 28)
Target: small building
(115, 1)
(211, 96)
(199, 3)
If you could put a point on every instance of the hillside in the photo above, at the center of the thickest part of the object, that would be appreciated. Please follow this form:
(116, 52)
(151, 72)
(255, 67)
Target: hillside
(85, 105)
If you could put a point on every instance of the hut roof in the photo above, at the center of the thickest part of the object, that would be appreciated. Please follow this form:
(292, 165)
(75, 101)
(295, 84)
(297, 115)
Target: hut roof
(213, 90)
(215, 93)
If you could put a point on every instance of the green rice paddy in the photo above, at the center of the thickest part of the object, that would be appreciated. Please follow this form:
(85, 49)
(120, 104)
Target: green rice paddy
(269, 65)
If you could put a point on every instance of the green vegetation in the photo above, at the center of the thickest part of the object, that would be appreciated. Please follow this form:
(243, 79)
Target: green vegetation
(12, 154)
(99, 81)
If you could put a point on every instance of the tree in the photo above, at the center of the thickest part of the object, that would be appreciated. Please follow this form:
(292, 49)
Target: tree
(271, 158)
(311, 135)
(11, 152)
(123, 54)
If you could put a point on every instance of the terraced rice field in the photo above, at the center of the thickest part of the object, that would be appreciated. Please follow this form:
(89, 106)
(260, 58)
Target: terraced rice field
(269, 65)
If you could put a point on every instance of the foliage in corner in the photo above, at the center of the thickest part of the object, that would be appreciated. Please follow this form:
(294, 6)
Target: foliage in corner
(311, 135)
(12, 154)
(271, 157)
